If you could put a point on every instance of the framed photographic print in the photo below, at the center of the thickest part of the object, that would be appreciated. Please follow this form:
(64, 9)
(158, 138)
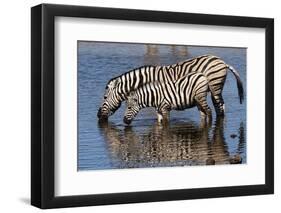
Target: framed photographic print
(139, 106)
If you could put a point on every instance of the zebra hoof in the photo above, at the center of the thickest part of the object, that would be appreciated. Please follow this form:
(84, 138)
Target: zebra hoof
(103, 124)
(220, 116)
(220, 113)
(103, 119)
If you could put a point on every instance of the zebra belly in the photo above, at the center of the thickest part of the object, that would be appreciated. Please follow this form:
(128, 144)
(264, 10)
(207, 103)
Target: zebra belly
(182, 106)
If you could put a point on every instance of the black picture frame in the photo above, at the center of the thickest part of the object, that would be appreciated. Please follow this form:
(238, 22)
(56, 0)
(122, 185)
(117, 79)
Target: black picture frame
(43, 102)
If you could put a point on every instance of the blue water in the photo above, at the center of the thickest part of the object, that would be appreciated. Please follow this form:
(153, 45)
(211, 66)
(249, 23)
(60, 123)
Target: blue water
(185, 142)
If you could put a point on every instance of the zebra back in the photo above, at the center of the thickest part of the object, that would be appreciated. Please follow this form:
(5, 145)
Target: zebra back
(207, 64)
(178, 93)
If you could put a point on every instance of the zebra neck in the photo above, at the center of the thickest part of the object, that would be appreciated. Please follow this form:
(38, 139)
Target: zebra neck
(147, 96)
(135, 79)
(142, 76)
(121, 92)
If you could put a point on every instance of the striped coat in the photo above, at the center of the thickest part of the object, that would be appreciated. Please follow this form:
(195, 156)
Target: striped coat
(186, 92)
(212, 67)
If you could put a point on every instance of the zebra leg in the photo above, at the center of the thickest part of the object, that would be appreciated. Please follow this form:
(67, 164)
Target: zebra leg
(216, 88)
(163, 114)
(203, 107)
(202, 117)
(166, 116)
(219, 104)
(163, 117)
(159, 117)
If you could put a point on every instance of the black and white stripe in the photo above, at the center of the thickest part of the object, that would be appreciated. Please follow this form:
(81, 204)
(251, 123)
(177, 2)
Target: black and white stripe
(186, 92)
(212, 67)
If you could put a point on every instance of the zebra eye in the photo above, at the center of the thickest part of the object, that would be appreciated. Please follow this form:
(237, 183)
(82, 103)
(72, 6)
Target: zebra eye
(105, 97)
(129, 107)
(135, 100)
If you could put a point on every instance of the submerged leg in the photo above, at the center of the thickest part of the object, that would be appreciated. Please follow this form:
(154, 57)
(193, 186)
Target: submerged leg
(203, 122)
(163, 115)
(159, 117)
(205, 111)
(166, 117)
(216, 93)
(216, 82)
(218, 104)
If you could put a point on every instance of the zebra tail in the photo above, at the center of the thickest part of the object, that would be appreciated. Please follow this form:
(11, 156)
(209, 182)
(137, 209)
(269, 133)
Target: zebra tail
(239, 83)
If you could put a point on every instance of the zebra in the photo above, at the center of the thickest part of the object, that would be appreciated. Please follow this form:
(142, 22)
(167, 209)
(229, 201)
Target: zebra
(186, 92)
(214, 68)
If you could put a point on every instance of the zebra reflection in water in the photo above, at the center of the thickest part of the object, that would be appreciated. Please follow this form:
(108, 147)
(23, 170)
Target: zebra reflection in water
(180, 144)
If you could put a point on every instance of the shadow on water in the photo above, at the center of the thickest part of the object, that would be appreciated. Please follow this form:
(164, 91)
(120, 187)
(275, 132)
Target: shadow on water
(178, 144)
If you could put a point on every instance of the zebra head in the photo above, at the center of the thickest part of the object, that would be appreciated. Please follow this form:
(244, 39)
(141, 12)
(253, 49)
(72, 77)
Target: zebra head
(132, 109)
(112, 100)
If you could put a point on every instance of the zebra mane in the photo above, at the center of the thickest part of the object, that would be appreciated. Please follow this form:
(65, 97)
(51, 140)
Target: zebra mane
(132, 70)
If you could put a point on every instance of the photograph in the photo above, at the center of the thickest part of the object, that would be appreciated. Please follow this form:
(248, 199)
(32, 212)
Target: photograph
(147, 105)
(142, 105)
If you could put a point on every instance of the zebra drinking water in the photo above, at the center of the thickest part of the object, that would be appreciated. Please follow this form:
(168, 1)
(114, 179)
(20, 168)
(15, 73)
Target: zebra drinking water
(214, 68)
(186, 92)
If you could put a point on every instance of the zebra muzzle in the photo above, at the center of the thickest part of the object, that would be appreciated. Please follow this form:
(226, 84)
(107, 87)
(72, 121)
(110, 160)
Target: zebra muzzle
(99, 113)
(101, 116)
(126, 120)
